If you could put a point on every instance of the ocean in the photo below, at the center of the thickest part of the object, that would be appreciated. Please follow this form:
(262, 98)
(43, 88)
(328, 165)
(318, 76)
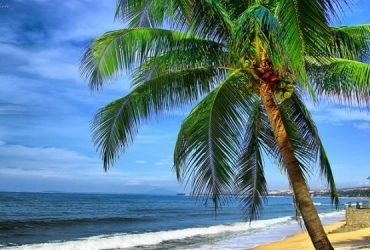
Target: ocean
(121, 221)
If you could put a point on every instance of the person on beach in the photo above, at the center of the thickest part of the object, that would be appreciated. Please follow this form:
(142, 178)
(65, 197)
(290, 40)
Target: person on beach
(358, 205)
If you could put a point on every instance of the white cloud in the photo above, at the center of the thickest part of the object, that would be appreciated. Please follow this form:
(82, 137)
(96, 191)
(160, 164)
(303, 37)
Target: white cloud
(168, 161)
(48, 63)
(336, 115)
(19, 161)
(12, 109)
(45, 161)
(133, 183)
(362, 125)
(90, 23)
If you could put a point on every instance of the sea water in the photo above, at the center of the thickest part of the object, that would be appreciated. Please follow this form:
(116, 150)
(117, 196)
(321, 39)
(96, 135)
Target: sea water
(121, 221)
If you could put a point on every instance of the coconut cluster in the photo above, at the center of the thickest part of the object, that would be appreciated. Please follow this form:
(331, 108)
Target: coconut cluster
(283, 90)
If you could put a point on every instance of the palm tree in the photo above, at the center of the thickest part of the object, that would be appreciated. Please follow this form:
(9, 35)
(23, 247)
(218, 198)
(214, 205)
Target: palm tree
(246, 67)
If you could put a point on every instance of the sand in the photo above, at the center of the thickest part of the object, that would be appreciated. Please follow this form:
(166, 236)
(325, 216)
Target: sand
(359, 239)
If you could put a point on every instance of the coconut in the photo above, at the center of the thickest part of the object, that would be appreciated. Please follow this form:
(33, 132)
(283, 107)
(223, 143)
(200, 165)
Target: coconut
(287, 94)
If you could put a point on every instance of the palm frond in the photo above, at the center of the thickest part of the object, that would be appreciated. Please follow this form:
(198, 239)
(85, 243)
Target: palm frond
(122, 50)
(305, 30)
(307, 128)
(237, 7)
(142, 13)
(174, 89)
(190, 53)
(116, 125)
(208, 143)
(300, 148)
(351, 42)
(209, 19)
(257, 22)
(344, 80)
(250, 178)
(327, 174)
(298, 132)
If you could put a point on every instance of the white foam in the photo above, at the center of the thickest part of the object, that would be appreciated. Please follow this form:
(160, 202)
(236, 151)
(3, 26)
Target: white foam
(247, 240)
(152, 238)
(338, 213)
(272, 233)
(258, 228)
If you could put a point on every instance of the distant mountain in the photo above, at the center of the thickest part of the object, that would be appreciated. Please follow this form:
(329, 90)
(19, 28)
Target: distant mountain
(161, 191)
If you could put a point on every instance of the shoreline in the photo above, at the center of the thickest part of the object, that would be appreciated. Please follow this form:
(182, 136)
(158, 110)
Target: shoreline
(359, 239)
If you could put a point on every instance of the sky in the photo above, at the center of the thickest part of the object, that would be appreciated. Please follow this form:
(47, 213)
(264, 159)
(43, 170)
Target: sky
(46, 109)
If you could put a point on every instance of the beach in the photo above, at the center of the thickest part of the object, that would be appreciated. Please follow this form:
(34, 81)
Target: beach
(359, 239)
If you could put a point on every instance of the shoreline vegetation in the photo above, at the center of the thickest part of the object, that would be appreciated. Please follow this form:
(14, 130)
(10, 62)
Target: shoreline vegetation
(359, 239)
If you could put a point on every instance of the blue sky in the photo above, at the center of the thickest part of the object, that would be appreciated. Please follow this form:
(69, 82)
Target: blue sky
(46, 109)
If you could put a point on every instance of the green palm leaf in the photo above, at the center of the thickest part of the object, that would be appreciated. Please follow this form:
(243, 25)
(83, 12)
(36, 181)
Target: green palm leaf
(250, 178)
(342, 79)
(122, 50)
(141, 13)
(199, 54)
(208, 143)
(351, 42)
(116, 125)
(305, 30)
(258, 22)
(208, 19)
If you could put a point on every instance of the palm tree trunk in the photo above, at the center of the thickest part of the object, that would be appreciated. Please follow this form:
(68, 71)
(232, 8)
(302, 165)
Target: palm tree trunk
(305, 205)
